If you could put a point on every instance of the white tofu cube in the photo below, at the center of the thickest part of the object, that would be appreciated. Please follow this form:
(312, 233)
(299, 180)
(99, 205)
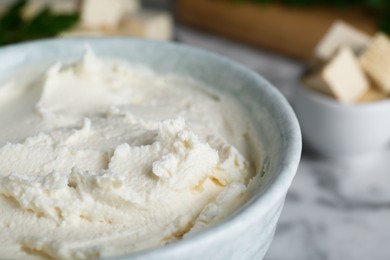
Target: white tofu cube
(33, 7)
(97, 14)
(338, 35)
(79, 32)
(373, 95)
(315, 82)
(344, 77)
(376, 61)
(64, 6)
(149, 24)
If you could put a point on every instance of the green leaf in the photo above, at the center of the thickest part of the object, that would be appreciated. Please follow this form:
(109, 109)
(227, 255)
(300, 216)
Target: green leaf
(13, 28)
(12, 17)
(384, 25)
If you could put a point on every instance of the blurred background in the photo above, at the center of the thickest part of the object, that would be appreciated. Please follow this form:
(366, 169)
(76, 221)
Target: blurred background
(339, 204)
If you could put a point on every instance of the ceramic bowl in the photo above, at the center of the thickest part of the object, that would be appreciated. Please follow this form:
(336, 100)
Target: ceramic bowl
(248, 232)
(342, 131)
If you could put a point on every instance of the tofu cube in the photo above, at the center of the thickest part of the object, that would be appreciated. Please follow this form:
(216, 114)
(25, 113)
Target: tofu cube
(344, 77)
(100, 14)
(338, 35)
(314, 81)
(373, 95)
(64, 6)
(376, 62)
(80, 32)
(149, 24)
(33, 7)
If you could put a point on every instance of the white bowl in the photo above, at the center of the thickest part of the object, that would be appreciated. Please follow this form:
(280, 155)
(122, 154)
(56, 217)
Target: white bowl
(248, 232)
(342, 131)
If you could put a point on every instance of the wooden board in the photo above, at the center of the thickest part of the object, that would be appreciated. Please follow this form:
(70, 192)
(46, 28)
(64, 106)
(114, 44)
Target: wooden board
(291, 31)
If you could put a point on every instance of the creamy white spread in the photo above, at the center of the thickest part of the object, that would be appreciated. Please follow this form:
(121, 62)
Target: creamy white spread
(101, 158)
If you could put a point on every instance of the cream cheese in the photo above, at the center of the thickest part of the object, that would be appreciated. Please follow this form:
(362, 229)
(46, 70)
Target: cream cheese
(100, 158)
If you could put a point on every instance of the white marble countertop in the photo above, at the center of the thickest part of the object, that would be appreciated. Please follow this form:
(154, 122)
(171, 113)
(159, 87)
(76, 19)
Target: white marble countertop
(334, 210)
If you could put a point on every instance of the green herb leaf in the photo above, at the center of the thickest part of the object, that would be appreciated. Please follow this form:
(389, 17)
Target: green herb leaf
(12, 17)
(13, 28)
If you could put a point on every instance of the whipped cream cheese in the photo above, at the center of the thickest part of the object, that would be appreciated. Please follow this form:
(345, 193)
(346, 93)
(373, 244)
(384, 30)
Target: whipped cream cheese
(100, 158)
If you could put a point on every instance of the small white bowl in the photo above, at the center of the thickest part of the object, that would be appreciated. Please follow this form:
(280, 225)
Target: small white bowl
(342, 131)
(248, 232)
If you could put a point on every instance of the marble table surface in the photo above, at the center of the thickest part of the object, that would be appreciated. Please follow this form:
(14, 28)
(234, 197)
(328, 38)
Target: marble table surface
(334, 209)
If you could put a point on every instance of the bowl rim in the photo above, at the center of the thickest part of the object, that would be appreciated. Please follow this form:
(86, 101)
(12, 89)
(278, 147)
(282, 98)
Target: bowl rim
(286, 121)
(333, 102)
